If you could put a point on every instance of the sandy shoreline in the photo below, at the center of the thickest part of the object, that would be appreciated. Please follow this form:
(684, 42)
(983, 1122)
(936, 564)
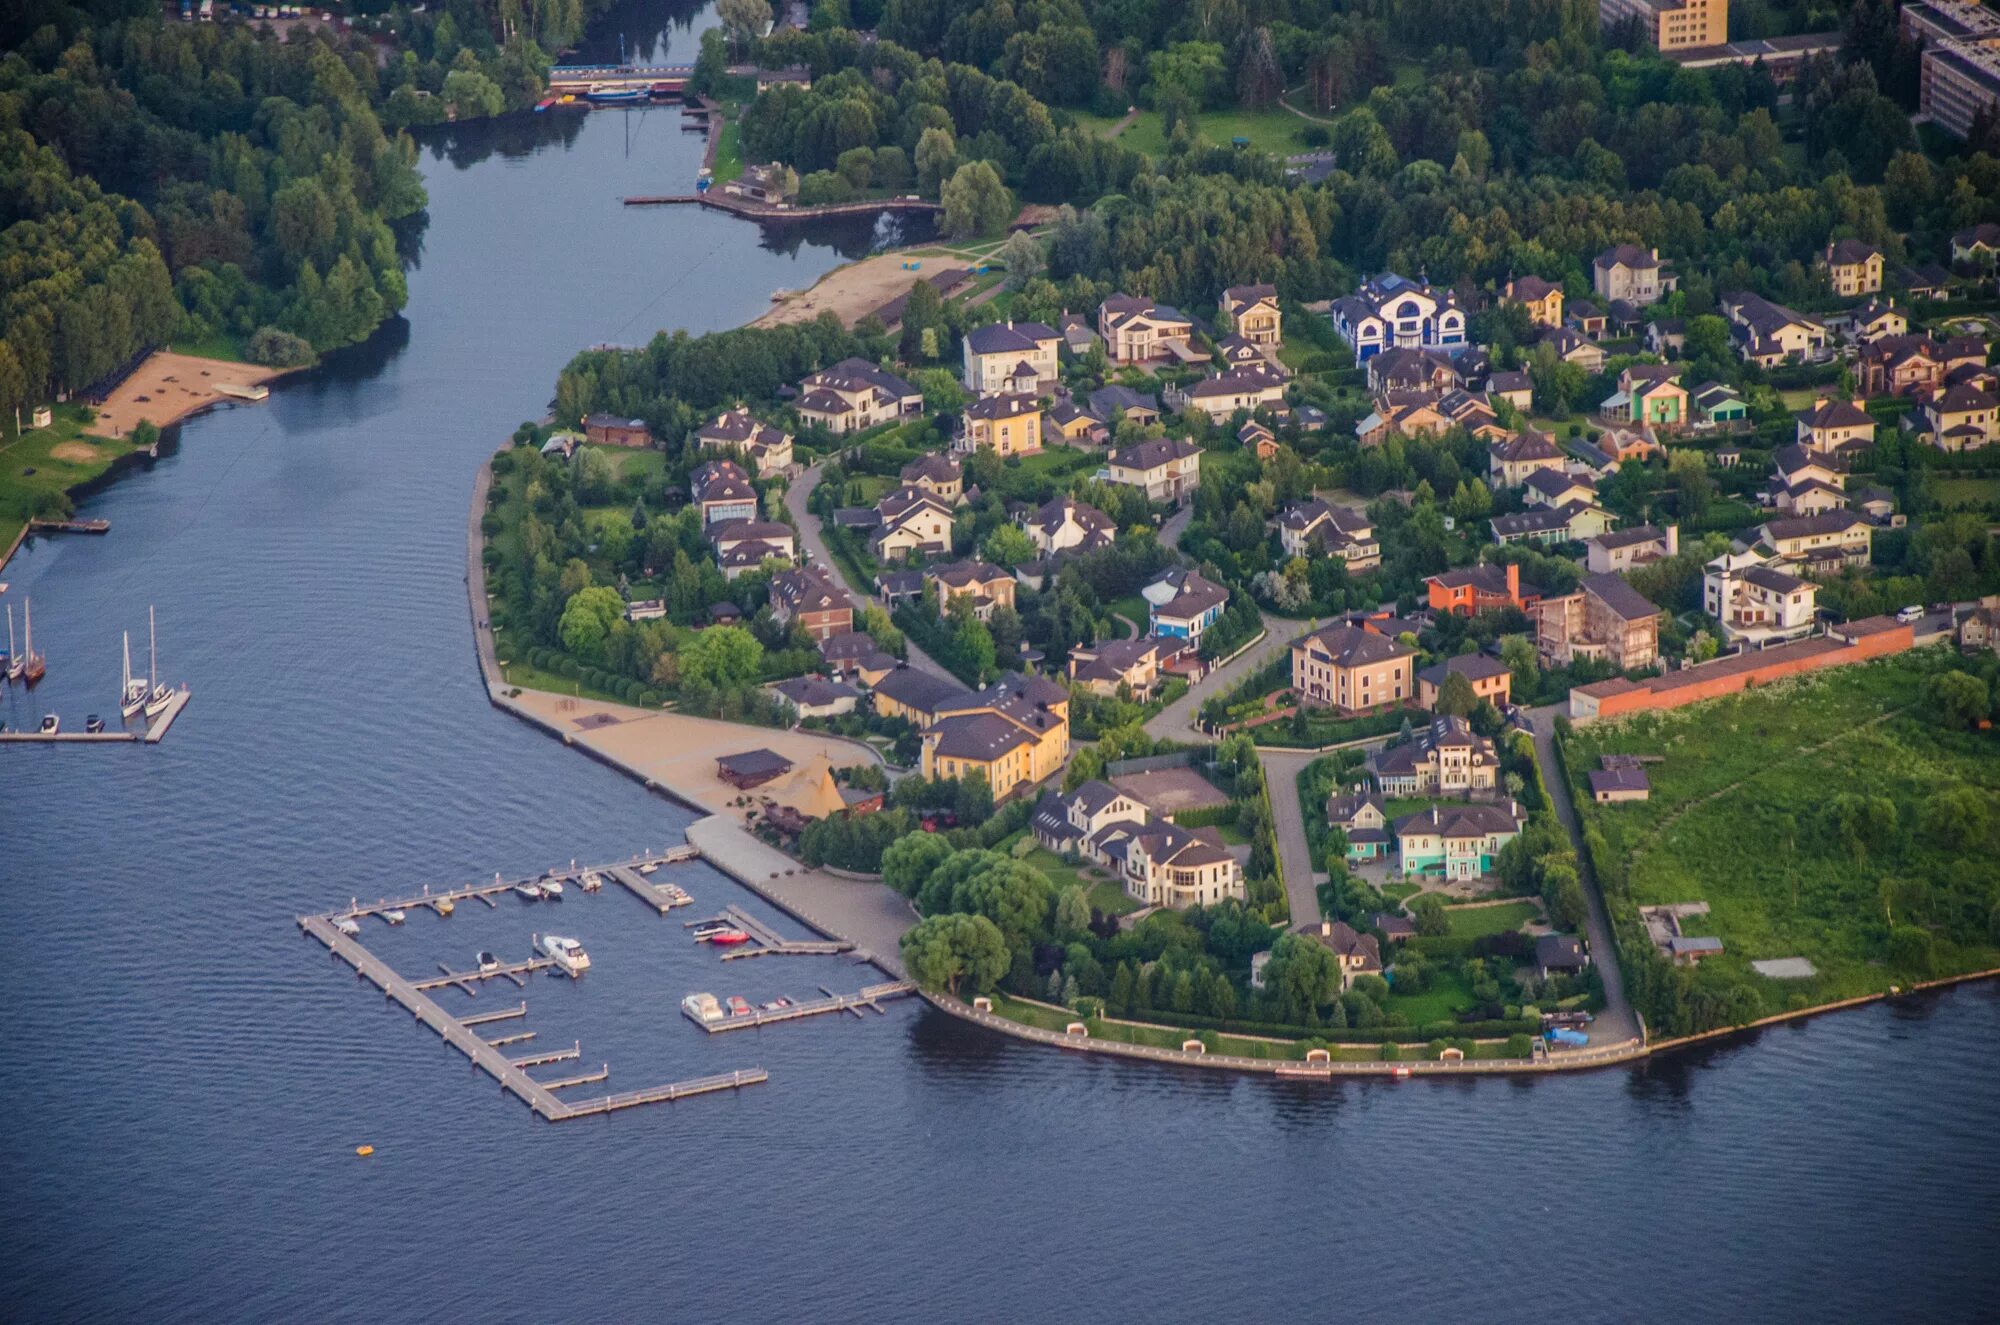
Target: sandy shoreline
(168, 387)
(852, 291)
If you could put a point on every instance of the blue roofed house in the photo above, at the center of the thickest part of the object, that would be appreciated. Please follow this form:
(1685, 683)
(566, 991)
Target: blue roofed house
(1184, 604)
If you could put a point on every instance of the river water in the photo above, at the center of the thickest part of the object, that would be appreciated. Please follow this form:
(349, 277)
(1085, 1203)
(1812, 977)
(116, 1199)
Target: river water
(187, 1077)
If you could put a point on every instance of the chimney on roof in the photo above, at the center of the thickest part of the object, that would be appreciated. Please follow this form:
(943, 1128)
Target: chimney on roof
(1656, 255)
(1326, 927)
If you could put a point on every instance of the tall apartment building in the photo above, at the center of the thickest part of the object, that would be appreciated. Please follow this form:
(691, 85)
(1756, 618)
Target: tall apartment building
(1673, 25)
(1961, 60)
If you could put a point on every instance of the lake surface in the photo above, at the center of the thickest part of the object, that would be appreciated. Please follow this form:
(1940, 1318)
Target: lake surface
(187, 1076)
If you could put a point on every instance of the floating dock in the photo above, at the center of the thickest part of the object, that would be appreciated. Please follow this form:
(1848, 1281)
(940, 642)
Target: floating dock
(661, 899)
(151, 736)
(767, 942)
(539, 1096)
(870, 998)
(486, 892)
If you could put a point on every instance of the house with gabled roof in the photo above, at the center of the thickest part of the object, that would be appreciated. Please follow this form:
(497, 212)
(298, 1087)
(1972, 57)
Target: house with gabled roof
(1137, 329)
(1006, 424)
(854, 395)
(1481, 588)
(1543, 299)
(1065, 524)
(1826, 542)
(1071, 823)
(1718, 403)
(987, 585)
(1490, 679)
(1853, 267)
(1247, 388)
(1755, 601)
(1253, 314)
(1446, 758)
(811, 596)
(1605, 618)
(722, 491)
(735, 432)
(1836, 426)
(1557, 487)
(1103, 667)
(1312, 526)
(1011, 356)
(1769, 334)
(1961, 418)
(1167, 469)
(1014, 732)
(1650, 395)
(1353, 670)
(1510, 462)
(745, 545)
(1456, 841)
(941, 476)
(1115, 403)
(1625, 549)
(1572, 522)
(1389, 310)
(1634, 274)
(1364, 819)
(1182, 604)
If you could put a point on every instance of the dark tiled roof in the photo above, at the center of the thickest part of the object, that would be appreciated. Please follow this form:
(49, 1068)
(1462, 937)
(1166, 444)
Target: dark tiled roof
(1623, 600)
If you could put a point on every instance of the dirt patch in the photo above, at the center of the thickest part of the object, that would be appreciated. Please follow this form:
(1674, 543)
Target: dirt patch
(168, 387)
(851, 292)
(81, 453)
(1171, 791)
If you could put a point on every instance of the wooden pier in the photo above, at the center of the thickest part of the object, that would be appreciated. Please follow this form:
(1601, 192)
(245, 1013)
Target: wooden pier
(468, 980)
(750, 209)
(151, 736)
(158, 730)
(767, 942)
(539, 1096)
(70, 526)
(660, 899)
(870, 997)
(486, 892)
(503, 1014)
(62, 738)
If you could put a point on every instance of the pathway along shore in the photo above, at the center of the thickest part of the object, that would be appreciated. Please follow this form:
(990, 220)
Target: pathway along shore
(874, 917)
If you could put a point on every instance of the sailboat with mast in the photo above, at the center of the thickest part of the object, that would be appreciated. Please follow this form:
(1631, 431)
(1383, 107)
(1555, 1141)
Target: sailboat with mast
(132, 697)
(33, 666)
(16, 664)
(160, 695)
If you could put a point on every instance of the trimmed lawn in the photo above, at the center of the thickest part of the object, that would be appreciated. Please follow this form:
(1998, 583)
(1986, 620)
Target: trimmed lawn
(1471, 922)
(41, 464)
(1275, 130)
(629, 460)
(1448, 996)
(729, 152)
(1104, 894)
(216, 345)
(1739, 818)
(1966, 491)
(1111, 899)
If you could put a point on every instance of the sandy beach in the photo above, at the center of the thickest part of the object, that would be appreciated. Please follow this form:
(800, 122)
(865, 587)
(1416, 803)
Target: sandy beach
(168, 387)
(852, 292)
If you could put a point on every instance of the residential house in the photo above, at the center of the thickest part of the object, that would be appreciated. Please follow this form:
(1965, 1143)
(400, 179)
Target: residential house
(1823, 543)
(912, 521)
(1011, 357)
(610, 430)
(1755, 602)
(1069, 422)
(1318, 526)
(1543, 299)
(1356, 953)
(1620, 780)
(1927, 282)
(1258, 440)
(1390, 310)
(811, 596)
(1631, 273)
(1623, 549)
(1979, 629)
(1587, 320)
(1605, 618)
(1068, 525)
(1805, 481)
(1853, 268)
(1077, 333)
(1622, 445)
(1168, 469)
(1481, 588)
(1007, 425)
(1559, 954)
(1456, 841)
(1015, 732)
(987, 585)
(1509, 463)
(745, 545)
(1490, 678)
(1252, 311)
(1446, 758)
(1573, 348)
(1572, 522)
(1720, 404)
(1961, 418)
(1516, 388)
(815, 697)
(1431, 372)
(1649, 395)
(1113, 404)
(941, 476)
(915, 696)
(854, 395)
(1070, 824)
(1976, 246)
(1363, 818)
(723, 491)
(1557, 487)
(1167, 865)
(1877, 319)
(1836, 426)
(1183, 604)
(1239, 389)
(1900, 366)
(768, 449)
(1134, 664)
(1138, 330)
(1666, 336)
(1769, 334)
(1353, 670)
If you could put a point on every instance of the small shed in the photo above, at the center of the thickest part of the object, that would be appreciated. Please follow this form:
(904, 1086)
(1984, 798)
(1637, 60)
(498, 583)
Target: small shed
(1687, 951)
(752, 768)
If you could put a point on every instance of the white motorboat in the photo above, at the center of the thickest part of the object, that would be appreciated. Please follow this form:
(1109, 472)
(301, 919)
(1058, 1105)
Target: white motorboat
(347, 926)
(566, 953)
(702, 1007)
(161, 694)
(552, 889)
(649, 867)
(488, 962)
(51, 724)
(132, 695)
(395, 916)
(531, 891)
(591, 881)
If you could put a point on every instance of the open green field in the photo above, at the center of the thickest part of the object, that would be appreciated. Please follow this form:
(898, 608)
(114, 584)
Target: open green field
(1167, 1037)
(1471, 922)
(1750, 813)
(1966, 491)
(628, 461)
(1276, 130)
(41, 465)
(1448, 996)
(1104, 894)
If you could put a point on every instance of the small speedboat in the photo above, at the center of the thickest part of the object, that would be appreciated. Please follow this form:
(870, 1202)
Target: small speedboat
(488, 962)
(552, 889)
(727, 937)
(444, 906)
(51, 724)
(649, 867)
(591, 881)
(778, 1004)
(347, 926)
(93, 723)
(709, 928)
(531, 891)
(566, 953)
(702, 1007)
(739, 1006)
(395, 915)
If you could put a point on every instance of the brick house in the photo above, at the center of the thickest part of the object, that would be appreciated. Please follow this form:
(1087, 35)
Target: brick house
(1352, 670)
(1605, 618)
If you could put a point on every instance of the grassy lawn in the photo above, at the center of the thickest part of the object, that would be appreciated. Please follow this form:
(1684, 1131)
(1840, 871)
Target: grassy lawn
(1233, 835)
(1739, 819)
(729, 153)
(1445, 999)
(41, 464)
(1103, 894)
(1966, 491)
(1471, 922)
(1275, 130)
(1133, 608)
(216, 345)
(627, 461)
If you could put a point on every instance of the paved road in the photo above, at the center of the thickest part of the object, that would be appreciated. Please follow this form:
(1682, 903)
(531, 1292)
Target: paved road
(1176, 721)
(796, 496)
(1617, 1021)
(1302, 876)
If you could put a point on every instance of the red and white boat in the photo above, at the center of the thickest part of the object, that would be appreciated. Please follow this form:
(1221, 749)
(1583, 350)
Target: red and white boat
(739, 1006)
(727, 937)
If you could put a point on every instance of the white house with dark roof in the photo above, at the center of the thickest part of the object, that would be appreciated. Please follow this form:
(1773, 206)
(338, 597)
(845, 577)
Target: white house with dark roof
(1447, 758)
(1623, 549)
(1168, 469)
(745, 545)
(1007, 356)
(1068, 525)
(1634, 274)
(1068, 824)
(1247, 388)
(1134, 664)
(1828, 541)
(1318, 526)
(1769, 334)
(1137, 329)
(1253, 314)
(1391, 310)
(1456, 841)
(912, 521)
(1756, 602)
(736, 432)
(816, 697)
(854, 395)
(1182, 604)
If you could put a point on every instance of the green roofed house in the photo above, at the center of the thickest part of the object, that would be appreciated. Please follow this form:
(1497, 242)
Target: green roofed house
(1456, 841)
(1720, 404)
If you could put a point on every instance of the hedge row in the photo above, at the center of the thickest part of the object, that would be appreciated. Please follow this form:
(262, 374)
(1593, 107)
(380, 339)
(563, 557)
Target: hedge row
(1209, 816)
(609, 683)
(1478, 1030)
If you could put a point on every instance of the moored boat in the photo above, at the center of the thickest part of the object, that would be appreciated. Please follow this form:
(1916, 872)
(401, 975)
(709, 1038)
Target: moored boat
(161, 693)
(93, 723)
(51, 724)
(16, 664)
(444, 906)
(552, 889)
(702, 1007)
(488, 962)
(347, 926)
(739, 1006)
(649, 867)
(33, 665)
(395, 915)
(591, 881)
(531, 891)
(727, 937)
(132, 694)
(567, 953)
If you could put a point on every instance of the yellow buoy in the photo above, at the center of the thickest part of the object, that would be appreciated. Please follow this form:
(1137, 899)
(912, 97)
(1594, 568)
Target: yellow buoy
(364, 1151)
